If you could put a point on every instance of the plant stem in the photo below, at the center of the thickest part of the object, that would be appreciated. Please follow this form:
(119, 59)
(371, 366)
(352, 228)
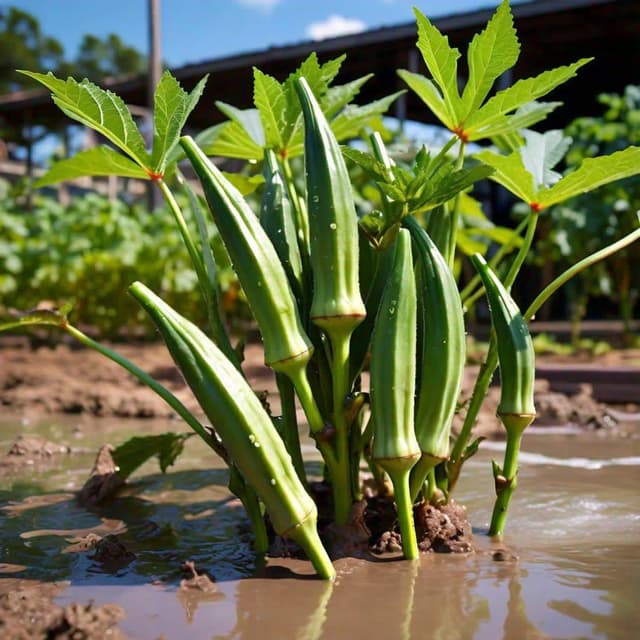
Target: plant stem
(467, 294)
(477, 397)
(252, 506)
(341, 479)
(553, 286)
(404, 506)
(290, 434)
(419, 473)
(302, 222)
(301, 384)
(518, 261)
(506, 483)
(454, 219)
(219, 334)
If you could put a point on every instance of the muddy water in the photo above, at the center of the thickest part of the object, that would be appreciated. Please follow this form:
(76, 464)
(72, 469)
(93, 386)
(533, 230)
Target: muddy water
(569, 567)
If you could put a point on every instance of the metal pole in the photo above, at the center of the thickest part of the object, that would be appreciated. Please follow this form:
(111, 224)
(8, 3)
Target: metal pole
(155, 71)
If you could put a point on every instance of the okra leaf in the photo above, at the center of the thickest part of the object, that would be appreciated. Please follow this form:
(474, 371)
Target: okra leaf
(248, 119)
(234, 141)
(429, 94)
(318, 77)
(97, 161)
(469, 245)
(366, 162)
(511, 173)
(491, 53)
(525, 116)
(442, 62)
(352, 118)
(591, 174)
(541, 152)
(520, 93)
(172, 107)
(269, 99)
(56, 318)
(98, 109)
(338, 97)
(137, 450)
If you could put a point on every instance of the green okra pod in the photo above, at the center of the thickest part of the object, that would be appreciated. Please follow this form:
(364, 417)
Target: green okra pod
(393, 369)
(257, 265)
(333, 225)
(516, 359)
(443, 352)
(516, 356)
(277, 219)
(243, 425)
(336, 305)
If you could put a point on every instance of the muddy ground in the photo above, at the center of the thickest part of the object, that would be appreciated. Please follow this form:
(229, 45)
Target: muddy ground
(69, 380)
(72, 380)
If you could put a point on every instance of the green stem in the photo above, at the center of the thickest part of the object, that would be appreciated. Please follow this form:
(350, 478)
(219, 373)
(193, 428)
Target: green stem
(506, 483)
(253, 507)
(469, 294)
(290, 434)
(477, 397)
(340, 379)
(213, 312)
(518, 261)
(302, 222)
(454, 219)
(404, 506)
(419, 473)
(301, 384)
(553, 286)
(306, 535)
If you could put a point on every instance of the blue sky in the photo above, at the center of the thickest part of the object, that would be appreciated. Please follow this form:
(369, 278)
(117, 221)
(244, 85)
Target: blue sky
(195, 30)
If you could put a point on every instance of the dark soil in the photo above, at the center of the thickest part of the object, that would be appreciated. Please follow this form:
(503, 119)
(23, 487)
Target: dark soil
(27, 612)
(67, 379)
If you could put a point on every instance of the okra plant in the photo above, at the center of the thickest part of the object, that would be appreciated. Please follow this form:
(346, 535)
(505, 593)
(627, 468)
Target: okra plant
(329, 284)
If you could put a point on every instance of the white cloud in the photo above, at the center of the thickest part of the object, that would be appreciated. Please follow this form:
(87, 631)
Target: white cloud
(261, 5)
(333, 26)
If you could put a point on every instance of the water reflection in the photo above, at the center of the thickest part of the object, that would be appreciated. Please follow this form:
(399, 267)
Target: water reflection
(575, 532)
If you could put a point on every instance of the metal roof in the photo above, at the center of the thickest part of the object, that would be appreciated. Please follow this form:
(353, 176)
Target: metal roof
(552, 33)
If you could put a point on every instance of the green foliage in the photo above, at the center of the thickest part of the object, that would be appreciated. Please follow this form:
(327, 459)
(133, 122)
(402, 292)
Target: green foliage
(492, 52)
(89, 252)
(276, 120)
(106, 113)
(585, 223)
(133, 453)
(342, 266)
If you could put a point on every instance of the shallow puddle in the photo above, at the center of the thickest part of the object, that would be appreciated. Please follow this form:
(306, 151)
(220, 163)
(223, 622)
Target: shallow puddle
(569, 567)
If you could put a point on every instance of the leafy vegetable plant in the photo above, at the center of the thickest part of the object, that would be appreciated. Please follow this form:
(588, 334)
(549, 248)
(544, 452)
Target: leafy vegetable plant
(327, 286)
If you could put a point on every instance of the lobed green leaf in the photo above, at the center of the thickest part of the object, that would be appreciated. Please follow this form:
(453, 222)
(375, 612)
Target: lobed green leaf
(491, 53)
(172, 107)
(511, 173)
(442, 62)
(98, 109)
(591, 174)
(520, 93)
(269, 99)
(97, 161)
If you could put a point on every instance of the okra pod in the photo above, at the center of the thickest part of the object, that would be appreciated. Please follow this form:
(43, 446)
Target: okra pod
(257, 266)
(443, 352)
(516, 359)
(333, 224)
(243, 425)
(393, 369)
(336, 305)
(277, 219)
